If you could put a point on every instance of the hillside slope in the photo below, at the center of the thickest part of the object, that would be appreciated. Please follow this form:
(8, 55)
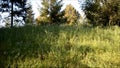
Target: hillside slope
(60, 46)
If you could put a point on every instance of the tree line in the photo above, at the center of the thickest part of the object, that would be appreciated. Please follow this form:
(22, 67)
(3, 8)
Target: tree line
(51, 13)
(97, 12)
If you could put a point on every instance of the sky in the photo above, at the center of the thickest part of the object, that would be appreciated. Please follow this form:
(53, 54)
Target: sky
(75, 3)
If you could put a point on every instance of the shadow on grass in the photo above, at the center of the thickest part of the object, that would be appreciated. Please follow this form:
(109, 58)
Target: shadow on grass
(21, 51)
(21, 43)
(30, 42)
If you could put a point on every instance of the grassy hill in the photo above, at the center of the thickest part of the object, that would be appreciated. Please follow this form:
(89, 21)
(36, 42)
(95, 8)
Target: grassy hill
(60, 46)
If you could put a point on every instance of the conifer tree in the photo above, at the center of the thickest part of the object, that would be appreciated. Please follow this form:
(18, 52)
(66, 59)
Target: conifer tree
(30, 16)
(15, 8)
(50, 12)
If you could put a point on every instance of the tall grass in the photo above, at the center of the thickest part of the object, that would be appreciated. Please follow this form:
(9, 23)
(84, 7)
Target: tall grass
(60, 47)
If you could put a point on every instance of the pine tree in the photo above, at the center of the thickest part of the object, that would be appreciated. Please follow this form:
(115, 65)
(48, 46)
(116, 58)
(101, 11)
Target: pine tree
(5, 7)
(50, 12)
(71, 14)
(30, 16)
(15, 8)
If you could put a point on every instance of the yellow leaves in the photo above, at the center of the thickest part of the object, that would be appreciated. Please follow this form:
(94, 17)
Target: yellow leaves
(71, 14)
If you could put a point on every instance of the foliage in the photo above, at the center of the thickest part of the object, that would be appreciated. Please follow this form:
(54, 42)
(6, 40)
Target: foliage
(102, 12)
(60, 47)
(71, 14)
(50, 12)
(30, 16)
(43, 20)
(15, 8)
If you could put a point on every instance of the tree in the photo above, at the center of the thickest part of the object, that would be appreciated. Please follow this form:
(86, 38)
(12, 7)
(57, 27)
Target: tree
(102, 12)
(16, 9)
(5, 7)
(50, 12)
(71, 14)
(92, 11)
(30, 16)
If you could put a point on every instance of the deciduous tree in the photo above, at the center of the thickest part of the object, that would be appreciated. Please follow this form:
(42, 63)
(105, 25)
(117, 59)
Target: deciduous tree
(102, 12)
(71, 14)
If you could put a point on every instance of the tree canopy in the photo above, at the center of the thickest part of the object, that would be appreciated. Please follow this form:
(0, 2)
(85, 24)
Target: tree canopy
(102, 12)
(16, 8)
(50, 12)
(30, 16)
(71, 14)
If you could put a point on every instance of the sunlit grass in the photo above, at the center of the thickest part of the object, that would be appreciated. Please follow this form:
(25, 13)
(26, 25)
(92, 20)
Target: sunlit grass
(60, 46)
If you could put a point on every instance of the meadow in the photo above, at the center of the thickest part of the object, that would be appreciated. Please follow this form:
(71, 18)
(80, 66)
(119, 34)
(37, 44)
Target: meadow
(55, 46)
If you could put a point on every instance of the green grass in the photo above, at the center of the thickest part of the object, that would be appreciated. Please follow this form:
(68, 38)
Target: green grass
(60, 47)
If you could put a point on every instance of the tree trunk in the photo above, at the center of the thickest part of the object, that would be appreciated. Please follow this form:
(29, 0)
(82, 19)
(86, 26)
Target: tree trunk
(12, 14)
